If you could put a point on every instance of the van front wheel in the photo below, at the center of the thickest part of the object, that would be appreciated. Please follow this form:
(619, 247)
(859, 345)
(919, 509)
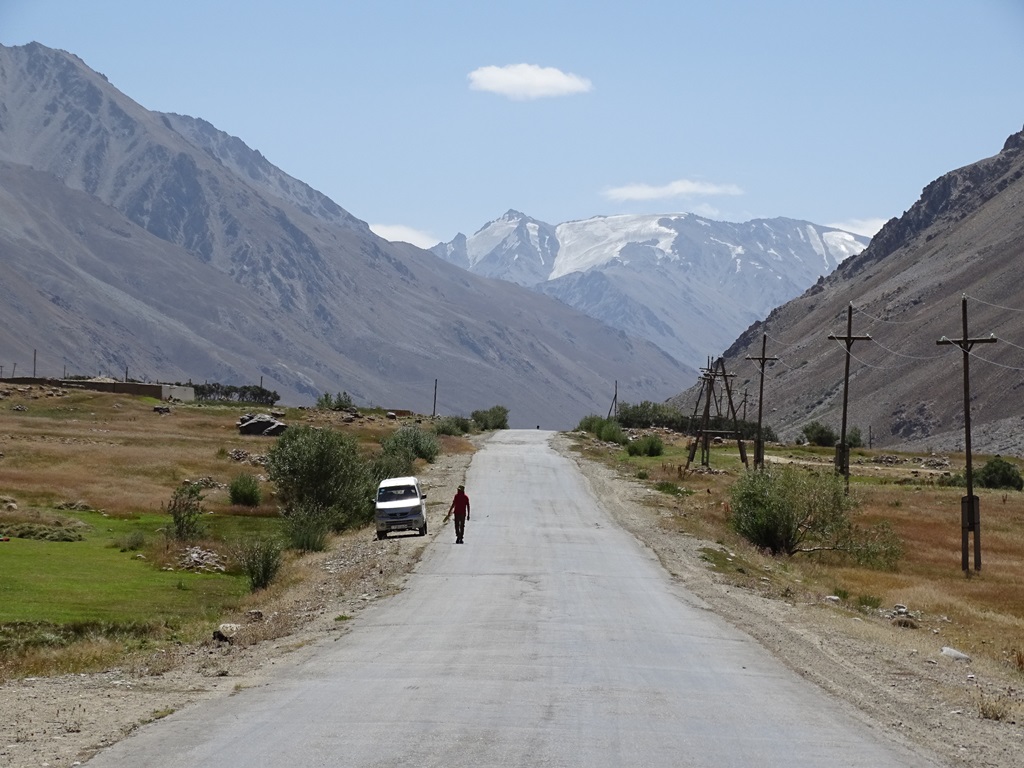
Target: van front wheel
(381, 535)
(423, 530)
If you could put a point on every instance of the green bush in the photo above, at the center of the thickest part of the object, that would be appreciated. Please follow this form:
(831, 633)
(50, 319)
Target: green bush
(421, 444)
(244, 490)
(495, 417)
(452, 425)
(260, 559)
(608, 430)
(186, 510)
(648, 445)
(999, 473)
(306, 526)
(817, 433)
(340, 402)
(321, 470)
(131, 542)
(787, 511)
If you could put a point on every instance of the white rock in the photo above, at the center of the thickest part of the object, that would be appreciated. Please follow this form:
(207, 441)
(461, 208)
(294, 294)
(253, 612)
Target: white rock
(954, 654)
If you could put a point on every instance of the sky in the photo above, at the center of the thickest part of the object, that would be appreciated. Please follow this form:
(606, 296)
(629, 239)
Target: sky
(426, 119)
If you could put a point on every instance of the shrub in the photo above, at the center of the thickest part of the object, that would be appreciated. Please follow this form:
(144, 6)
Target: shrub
(648, 445)
(260, 559)
(421, 444)
(322, 470)
(306, 526)
(495, 417)
(452, 425)
(999, 473)
(817, 433)
(787, 511)
(340, 402)
(186, 510)
(608, 430)
(245, 490)
(131, 542)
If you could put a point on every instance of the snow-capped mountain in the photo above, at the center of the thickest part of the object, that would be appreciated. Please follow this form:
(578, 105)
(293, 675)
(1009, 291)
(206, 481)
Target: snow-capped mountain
(687, 283)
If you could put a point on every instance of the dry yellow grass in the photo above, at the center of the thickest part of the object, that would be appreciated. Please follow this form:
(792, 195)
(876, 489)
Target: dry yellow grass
(980, 613)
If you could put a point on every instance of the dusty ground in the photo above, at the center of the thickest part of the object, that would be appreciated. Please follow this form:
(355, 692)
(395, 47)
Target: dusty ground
(897, 678)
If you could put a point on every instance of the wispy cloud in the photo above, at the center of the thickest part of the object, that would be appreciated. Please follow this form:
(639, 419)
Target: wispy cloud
(866, 227)
(399, 233)
(523, 82)
(678, 188)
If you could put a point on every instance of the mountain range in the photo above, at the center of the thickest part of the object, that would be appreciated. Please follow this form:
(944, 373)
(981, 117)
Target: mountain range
(155, 244)
(955, 255)
(687, 283)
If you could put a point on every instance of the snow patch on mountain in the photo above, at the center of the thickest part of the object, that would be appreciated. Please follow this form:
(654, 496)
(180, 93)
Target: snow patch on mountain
(592, 242)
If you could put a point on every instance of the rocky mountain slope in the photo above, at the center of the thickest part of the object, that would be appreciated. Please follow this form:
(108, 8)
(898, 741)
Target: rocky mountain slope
(155, 243)
(963, 238)
(687, 283)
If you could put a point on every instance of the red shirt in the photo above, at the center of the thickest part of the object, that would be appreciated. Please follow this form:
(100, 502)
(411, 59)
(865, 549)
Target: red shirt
(460, 503)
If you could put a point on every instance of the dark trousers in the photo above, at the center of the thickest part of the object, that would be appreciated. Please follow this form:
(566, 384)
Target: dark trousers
(460, 526)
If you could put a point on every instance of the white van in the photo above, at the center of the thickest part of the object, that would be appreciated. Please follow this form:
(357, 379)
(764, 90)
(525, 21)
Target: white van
(400, 506)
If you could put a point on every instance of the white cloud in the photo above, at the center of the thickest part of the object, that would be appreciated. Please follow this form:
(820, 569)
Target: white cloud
(399, 233)
(522, 82)
(866, 227)
(678, 188)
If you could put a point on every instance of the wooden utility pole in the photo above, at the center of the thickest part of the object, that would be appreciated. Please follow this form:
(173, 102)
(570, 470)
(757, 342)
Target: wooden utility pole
(970, 508)
(434, 412)
(843, 450)
(613, 409)
(759, 443)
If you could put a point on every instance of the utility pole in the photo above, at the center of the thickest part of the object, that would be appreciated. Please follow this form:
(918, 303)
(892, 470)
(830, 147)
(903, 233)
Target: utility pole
(759, 443)
(843, 450)
(613, 409)
(970, 507)
(434, 412)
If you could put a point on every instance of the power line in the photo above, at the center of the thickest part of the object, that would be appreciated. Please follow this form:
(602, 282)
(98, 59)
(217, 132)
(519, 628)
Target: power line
(990, 304)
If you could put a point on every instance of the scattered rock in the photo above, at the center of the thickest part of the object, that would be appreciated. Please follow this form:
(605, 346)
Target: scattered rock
(161, 409)
(199, 560)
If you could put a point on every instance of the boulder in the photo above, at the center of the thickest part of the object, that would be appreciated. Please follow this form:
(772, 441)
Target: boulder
(260, 424)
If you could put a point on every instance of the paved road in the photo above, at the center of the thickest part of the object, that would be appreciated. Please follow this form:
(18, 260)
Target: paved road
(550, 638)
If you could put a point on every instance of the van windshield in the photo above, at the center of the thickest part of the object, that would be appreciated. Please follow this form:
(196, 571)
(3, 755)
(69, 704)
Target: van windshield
(397, 493)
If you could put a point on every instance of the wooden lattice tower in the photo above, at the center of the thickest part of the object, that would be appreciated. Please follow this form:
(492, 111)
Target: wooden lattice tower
(711, 392)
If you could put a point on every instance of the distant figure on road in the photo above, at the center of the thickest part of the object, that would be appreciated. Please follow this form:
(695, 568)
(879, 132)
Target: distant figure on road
(460, 507)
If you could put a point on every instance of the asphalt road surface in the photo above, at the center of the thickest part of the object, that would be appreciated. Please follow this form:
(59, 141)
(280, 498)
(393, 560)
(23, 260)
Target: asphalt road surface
(550, 638)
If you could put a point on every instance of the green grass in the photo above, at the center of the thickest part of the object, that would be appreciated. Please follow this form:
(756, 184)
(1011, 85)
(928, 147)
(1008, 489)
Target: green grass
(93, 580)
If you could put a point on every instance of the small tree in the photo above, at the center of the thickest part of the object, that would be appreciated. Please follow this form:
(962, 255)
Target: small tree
(999, 473)
(186, 510)
(321, 472)
(495, 417)
(817, 433)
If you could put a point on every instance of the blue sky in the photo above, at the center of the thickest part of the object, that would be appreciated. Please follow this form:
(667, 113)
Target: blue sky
(430, 118)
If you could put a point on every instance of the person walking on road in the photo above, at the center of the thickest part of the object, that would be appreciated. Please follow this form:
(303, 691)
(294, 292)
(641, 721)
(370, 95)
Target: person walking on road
(460, 508)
